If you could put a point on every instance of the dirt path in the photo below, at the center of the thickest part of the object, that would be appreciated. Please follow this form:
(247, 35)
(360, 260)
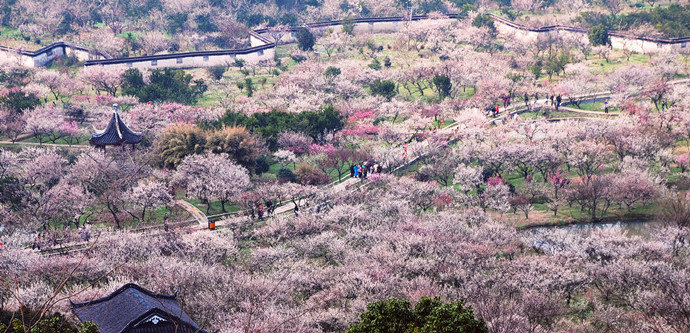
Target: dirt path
(54, 145)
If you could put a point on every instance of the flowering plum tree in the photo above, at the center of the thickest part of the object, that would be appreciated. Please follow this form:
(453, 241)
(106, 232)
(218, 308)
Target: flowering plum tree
(147, 195)
(101, 78)
(211, 177)
(108, 176)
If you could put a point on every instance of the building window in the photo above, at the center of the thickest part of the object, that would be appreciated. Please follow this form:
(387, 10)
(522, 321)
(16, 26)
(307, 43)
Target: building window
(49, 53)
(683, 44)
(154, 62)
(261, 52)
(129, 64)
(233, 56)
(179, 60)
(205, 58)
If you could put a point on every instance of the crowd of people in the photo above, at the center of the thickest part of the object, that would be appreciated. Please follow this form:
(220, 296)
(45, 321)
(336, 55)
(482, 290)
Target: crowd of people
(554, 101)
(365, 168)
(57, 237)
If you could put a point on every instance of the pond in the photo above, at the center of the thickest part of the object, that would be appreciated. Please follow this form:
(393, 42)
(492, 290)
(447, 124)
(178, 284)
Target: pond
(570, 237)
(640, 228)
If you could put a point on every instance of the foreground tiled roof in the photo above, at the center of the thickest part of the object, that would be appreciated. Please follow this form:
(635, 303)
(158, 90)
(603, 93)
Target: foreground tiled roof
(133, 309)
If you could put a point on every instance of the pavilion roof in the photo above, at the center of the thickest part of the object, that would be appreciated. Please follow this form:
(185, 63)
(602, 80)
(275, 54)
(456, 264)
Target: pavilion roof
(116, 133)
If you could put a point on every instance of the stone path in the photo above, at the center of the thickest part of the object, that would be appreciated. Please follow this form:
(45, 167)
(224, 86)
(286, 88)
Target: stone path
(198, 215)
(344, 185)
(598, 113)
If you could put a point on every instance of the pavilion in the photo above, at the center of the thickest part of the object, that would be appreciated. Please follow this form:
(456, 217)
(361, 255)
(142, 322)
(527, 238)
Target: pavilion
(116, 133)
(133, 309)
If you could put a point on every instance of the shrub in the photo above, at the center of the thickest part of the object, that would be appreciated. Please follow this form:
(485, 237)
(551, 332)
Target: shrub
(349, 25)
(47, 323)
(177, 142)
(383, 88)
(249, 85)
(261, 165)
(305, 39)
(375, 64)
(238, 63)
(286, 175)
(217, 72)
(309, 175)
(675, 210)
(205, 23)
(166, 85)
(238, 143)
(599, 35)
(428, 315)
(332, 71)
(20, 101)
(176, 22)
(298, 57)
(442, 85)
(315, 124)
(483, 20)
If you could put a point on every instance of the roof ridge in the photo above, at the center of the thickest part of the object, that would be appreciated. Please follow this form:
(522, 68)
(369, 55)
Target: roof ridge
(119, 291)
(117, 124)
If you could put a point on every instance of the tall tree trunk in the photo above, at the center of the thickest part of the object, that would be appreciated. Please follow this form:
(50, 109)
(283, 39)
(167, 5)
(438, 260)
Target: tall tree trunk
(113, 211)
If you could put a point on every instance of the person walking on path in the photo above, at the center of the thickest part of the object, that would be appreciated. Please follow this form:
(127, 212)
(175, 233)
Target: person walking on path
(558, 102)
(551, 100)
(37, 243)
(261, 212)
(606, 107)
(296, 210)
(352, 170)
(527, 101)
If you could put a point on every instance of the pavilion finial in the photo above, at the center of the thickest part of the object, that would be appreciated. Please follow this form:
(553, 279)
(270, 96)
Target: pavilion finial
(115, 107)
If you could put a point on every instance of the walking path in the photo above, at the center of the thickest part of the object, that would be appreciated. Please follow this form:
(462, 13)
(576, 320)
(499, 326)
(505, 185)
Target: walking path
(198, 215)
(597, 113)
(347, 185)
(45, 144)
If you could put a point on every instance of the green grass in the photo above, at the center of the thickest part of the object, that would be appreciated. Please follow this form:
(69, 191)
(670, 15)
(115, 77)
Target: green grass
(446, 123)
(215, 207)
(9, 32)
(617, 59)
(82, 140)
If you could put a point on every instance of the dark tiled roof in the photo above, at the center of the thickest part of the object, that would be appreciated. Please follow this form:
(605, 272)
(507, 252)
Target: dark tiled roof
(116, 133)
(135, 309)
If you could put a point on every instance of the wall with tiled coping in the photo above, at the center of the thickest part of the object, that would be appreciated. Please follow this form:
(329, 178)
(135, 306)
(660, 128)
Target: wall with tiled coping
(263, 49)
(48, 53)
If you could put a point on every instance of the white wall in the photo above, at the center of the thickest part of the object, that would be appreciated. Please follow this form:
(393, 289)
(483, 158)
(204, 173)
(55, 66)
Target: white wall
(617, 42)
(200, 61)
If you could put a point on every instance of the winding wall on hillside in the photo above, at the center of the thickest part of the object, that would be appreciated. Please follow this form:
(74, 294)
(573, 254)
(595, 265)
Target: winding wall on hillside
(48, 53)
(263, 48)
